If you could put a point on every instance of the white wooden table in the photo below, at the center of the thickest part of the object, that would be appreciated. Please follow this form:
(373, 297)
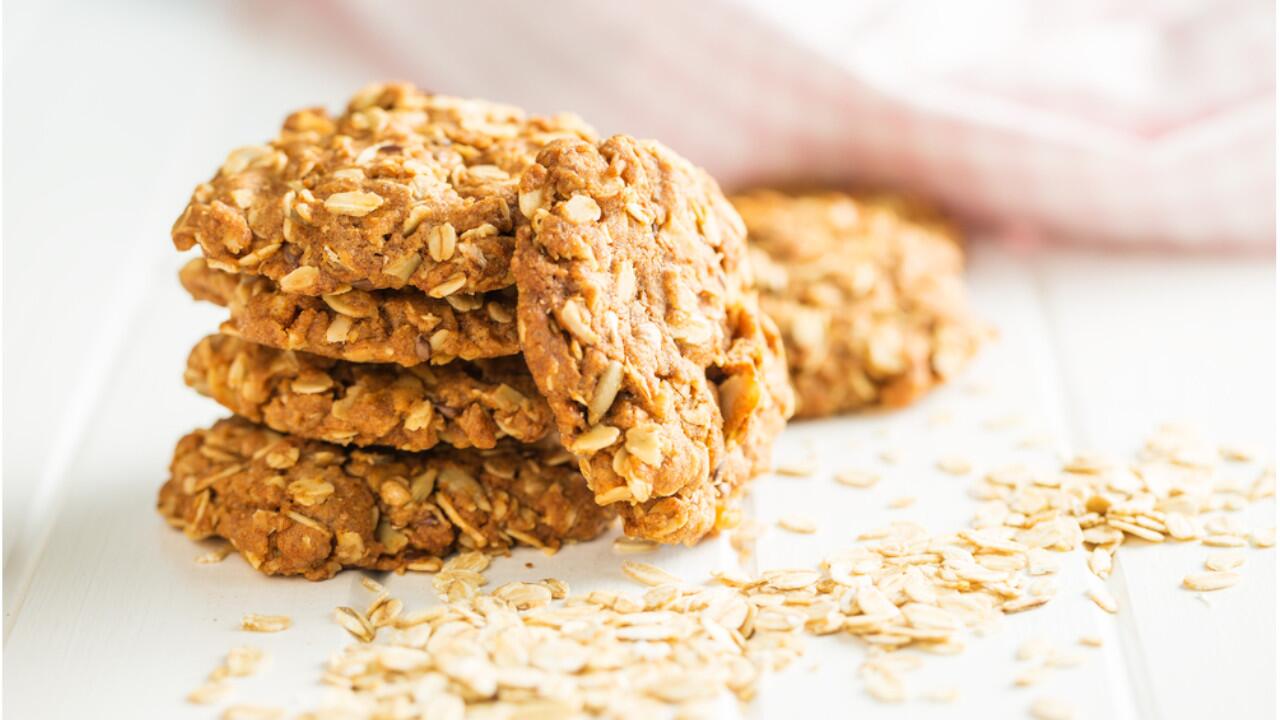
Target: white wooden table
(1094, 351)
(107, 615)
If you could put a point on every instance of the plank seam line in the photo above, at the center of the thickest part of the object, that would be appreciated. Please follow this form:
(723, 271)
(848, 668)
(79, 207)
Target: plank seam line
(1139, 686)
(46, 502)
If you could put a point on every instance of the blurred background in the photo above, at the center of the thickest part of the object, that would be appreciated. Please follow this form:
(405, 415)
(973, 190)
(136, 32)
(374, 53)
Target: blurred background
(1118, 124)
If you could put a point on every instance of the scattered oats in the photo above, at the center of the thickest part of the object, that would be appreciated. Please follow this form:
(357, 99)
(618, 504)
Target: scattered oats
(1043, 587)
(797, 524)
(354, 622)
(529, 649)
(900, 503)
(372, 585)
(1034, 649)
(1224, 561)
(265, 623)
(953, 465)
(943, 695)
(647, 574)
(883, 685)
(209, 693)
(471, 561)
(1264, 486)
(1225, 541)
(559, 588)
(1180, 526)
(384, 611)
(1136, 530)
(1028, 677)
(1064, 659)
(456, 583)
(244, 661)
(252, 712)
(1036, 442)
(922, 616)
(1103, 599)
(1088, 464)
(1004, 422)
(1100, 562)
(801, 468)
(1263, 538)
(790, 579)
(624, 545)
(1236, 453)
(426, 565)
(1225, 525)
(857, 478)
(1209, 581)
(215, 556)
(890, 456)
(1040, 562)
(523, 596)
(743, 538)
(1027, 602)
(1051, 709)
(733, 578)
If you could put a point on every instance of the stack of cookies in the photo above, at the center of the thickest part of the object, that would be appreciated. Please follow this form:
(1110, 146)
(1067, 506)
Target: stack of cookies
(868, 291)
(456, 326)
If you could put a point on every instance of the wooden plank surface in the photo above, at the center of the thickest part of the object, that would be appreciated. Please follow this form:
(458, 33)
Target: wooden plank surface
(1186, 339)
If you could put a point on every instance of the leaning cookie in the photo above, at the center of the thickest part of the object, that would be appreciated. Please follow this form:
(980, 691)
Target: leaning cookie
(406, 327)
(868, 292)
(639, 323)
(404, 189)
(297, 507)
(459, 404)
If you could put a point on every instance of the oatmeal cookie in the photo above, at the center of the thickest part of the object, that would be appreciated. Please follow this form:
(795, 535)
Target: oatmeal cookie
(404, 189)
(869, 294)
(638, 321)
(303, 507)
(460, 404)
(405, 327)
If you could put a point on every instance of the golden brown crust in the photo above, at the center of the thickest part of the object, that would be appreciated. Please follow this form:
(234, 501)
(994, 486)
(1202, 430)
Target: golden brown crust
(404, 189)
(460, 404)
(297, 507)
(639, 323)
(868, 293)
(405, 327)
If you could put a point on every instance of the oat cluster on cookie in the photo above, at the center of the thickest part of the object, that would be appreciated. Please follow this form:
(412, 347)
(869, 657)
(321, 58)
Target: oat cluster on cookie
(452, 325)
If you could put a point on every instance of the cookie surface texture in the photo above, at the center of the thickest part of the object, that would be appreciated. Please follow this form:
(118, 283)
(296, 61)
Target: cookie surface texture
(639, 324)
(299, 507)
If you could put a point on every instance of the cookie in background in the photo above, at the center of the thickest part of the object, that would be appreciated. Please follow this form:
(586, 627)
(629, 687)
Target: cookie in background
(868, 292)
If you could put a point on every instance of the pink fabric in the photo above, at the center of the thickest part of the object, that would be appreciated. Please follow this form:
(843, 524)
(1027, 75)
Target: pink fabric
(1108, 121)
